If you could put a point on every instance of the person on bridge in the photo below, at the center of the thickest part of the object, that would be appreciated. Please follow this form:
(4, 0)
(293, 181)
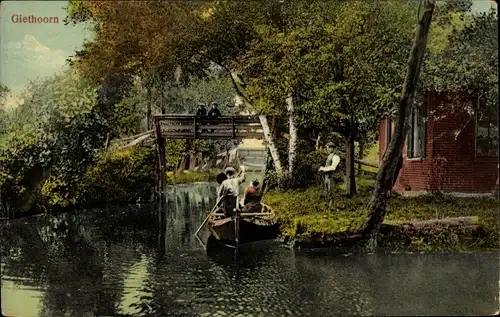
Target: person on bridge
(213, 113)
(229, 191)
(332, 161)
(202, 111)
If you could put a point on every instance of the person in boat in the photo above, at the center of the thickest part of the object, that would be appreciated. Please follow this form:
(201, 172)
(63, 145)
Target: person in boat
(220, 178)
(332, 161)
(229, 190)
(252, 194)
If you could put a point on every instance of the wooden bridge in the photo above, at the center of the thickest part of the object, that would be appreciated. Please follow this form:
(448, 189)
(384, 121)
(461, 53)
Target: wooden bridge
(202, 127)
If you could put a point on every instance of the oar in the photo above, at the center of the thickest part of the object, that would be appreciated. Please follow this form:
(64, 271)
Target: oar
(208, 217)
(237, 226)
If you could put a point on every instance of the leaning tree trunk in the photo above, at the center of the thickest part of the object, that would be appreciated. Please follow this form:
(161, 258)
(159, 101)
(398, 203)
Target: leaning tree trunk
(263, 121)
(350, 177)
(272, 146)
(292, 144)
(378, 202)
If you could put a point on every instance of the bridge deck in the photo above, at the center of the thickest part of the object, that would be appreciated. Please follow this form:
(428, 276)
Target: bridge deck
(202, 127)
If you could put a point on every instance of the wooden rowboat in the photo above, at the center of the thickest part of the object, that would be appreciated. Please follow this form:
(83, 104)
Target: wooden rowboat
(252, 224)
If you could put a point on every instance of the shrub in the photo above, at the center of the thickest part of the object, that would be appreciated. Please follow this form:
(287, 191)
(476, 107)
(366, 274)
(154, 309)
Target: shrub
(56, 192)
(125, 176)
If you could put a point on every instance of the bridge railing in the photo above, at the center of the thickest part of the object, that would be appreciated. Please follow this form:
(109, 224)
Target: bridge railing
(203, 127)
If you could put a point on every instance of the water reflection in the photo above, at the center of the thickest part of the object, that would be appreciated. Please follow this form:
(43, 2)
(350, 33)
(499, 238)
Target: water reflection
(187, 207)
(120, 270)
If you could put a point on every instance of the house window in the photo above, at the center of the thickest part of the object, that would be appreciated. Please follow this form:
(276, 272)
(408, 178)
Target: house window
(389, 131)
(486, 129)
(415, 142)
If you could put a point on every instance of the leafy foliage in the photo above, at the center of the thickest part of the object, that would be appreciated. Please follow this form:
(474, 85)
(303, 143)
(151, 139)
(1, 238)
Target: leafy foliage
(347, 63)
(4, 92)
(127, 36)
(53, 135)
(343, 61)
(122, 176)
(475, 41)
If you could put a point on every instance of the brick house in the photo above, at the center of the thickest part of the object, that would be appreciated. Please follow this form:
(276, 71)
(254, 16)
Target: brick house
(446, 149)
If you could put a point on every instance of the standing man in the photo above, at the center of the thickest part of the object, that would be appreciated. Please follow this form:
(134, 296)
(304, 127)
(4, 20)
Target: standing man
(229, 190)
(332, 161)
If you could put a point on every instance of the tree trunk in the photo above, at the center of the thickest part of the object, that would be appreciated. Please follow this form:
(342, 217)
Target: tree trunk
(378, 202)
(292, 144)
(225, 160)
(350, 177)
(193, 159)
(450, 221)
(263, 121)
(317, 142)
(272, 147)
(360, 155)
(149, 121)
(183, 162)
(187, 162)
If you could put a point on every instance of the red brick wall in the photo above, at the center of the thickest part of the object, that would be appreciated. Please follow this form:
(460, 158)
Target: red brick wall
(450, 163)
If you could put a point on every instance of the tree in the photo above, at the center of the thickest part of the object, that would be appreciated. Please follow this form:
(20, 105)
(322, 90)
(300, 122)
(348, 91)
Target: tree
(52, 137)
(475, 41)
(169, 78)
(378, 203)
(343, 77)
(4, 93)
(321, 64)
(128, 39)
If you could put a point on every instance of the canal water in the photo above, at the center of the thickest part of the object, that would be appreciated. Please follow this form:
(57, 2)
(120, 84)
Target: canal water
(114, 262)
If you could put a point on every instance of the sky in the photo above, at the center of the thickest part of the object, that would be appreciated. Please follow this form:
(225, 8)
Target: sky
(31, 50)
(35, 50)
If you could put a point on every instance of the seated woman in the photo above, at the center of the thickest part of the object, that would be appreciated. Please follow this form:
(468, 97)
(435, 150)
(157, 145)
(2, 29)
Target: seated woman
(252, 196)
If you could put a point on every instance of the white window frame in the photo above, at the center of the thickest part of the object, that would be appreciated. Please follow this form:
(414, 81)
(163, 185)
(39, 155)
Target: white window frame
(417, 133)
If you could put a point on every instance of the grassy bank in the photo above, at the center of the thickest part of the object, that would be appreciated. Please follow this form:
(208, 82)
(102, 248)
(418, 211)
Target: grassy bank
(309, 219)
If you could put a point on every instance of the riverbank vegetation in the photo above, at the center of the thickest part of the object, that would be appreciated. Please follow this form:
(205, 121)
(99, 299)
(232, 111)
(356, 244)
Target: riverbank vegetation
(306, 218)
(312, 71)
